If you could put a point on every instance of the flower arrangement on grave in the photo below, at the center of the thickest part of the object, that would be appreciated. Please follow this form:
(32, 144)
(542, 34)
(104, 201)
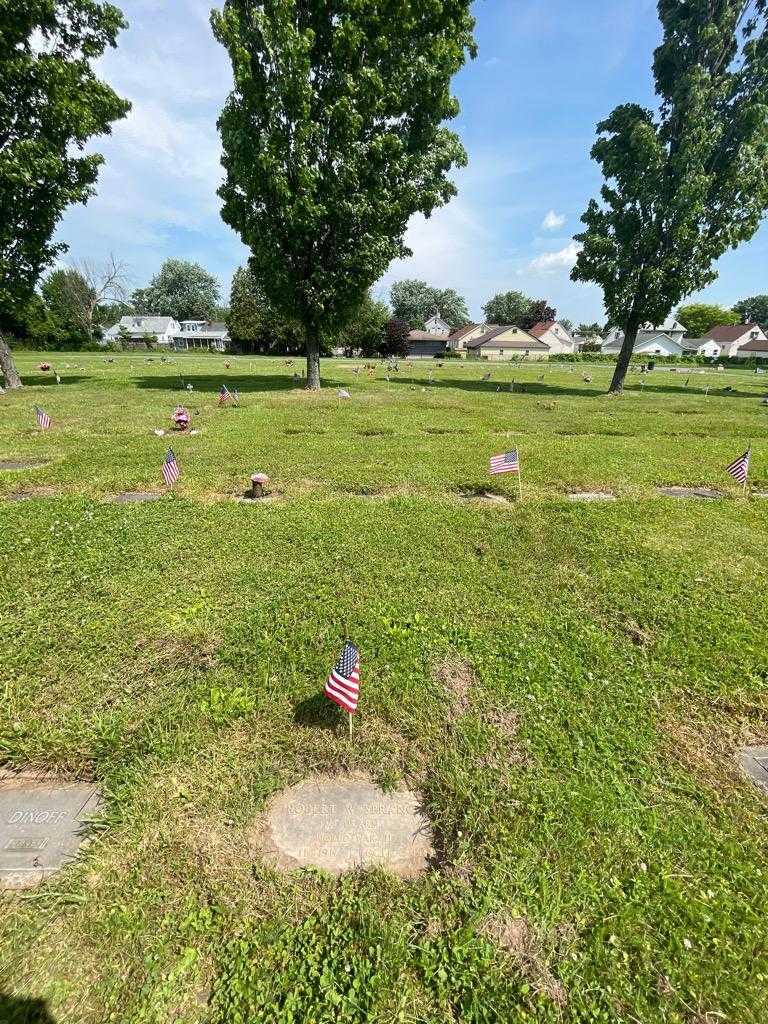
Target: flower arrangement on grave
(180, 418)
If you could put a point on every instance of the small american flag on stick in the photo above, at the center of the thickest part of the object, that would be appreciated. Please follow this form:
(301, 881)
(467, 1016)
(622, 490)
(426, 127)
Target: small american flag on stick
(43, 419)
(224, 395)
(343, 684)
(739, 469)
(171, 469)
(509, 462)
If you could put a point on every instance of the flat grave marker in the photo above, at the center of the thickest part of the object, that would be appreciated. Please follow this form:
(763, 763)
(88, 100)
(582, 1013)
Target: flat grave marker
(340, 824)
(41, 827)
(17, 464)
(754, 761)
(697, 493)
(591, 496)
(132, 497)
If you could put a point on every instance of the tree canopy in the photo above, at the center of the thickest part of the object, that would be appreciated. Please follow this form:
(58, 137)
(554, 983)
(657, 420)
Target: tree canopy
(700, 317)
(416, 301)
(687, 181)
(181, 289)
(333, 138)
(538, 312)
(506, 308)
(753, 311)
(51, 104)
(365, 332)
(254, 325)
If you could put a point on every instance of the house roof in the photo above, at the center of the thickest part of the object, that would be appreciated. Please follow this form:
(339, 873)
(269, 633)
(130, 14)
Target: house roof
(694, 344)
(426, 336)
(145, 324)
(728, 334)
(541, 328)
(212, 329)
(462, 332)
(756, 345)
(525, 341)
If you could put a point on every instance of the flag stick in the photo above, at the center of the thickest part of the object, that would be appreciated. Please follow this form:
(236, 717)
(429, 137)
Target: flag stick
(519, 478)
(349, 716)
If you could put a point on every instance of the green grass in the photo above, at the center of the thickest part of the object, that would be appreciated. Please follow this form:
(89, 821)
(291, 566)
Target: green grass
(586, 799)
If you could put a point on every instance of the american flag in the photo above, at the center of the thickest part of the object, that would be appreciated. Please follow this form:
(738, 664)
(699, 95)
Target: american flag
(171, 469)
(343, 685)
(740, 468)
(509, 462)
(43, 419)
(224, 395)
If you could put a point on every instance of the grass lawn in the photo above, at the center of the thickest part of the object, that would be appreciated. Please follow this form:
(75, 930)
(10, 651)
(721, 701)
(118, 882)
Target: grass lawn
(601, 857)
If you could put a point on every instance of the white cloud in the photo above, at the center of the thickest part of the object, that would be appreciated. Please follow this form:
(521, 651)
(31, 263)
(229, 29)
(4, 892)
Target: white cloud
(553, 221)
(563, 259)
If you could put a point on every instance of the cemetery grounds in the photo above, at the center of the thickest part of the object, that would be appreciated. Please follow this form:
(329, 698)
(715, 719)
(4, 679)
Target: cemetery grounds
(566, 684)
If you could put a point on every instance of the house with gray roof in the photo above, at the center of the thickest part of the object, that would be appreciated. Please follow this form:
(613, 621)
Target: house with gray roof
(499, 343)
(139, 330)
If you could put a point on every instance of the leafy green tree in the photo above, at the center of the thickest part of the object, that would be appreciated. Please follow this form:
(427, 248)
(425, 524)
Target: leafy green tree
(590, 330)
(687, 181)
(86, 297)
(333, 138)
(506, 308)
(699, 317)
(416, 302)
(753, 311)
(253, 323)
(181, 289)
(365, 332)
(58, 289)
(51, 104)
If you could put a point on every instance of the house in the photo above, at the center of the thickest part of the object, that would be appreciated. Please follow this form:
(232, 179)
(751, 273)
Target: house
(555, 336)
(664, 340)
(209, 335)
(140, 330)
(755, 348)
(701, 347)
(460, 338)
(426, 345)
(595, 341)
(506, 343)
(436, 325)
(733, 340)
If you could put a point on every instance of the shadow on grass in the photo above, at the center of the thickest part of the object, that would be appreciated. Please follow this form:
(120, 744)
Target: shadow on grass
(245, 385)
(24, 1011)
(318, 712)
(544, 390)
(47, 382)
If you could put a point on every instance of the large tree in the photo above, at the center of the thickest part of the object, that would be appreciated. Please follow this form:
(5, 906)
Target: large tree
(538, 312)
(506, 308)
(51, 103)
(753, 311)
(181, 289)
(333, 139)
(699, 317)
(253, 323)
(688, 180)
(417, 301)
(365, 332)
(87, 296)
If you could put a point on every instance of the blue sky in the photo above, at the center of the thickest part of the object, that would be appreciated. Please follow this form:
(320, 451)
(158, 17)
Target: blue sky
(546, 72)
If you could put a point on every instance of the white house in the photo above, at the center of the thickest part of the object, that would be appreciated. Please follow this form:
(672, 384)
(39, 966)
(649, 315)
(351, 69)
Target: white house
(461, 337)
(755, 348)
(505, 343)
(555, 336)
(664, 340)
(436, 325)
(210, 335)
(702, 347)
(165, 331)
(732, 340)
(158, 330)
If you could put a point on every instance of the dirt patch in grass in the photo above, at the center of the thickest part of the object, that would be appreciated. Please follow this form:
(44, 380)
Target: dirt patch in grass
(197, 652)
(505, 722)
(299, 431)
(376, 433)
(445, 430)
(11, 465)
(522, 945)
(457, 678)
(30, 493)
(481, 494)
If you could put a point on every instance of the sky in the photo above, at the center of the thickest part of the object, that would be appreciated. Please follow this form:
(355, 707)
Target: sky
(547, 71)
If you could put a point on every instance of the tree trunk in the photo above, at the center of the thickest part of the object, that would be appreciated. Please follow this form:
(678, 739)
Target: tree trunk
(622, 364)
(313, 359)
(7, 365)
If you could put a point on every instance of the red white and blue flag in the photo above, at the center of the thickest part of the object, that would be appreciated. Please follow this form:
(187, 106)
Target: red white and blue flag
(343, 684)
(43, 419)
(509, 462)
(224, 395)
(739, 469)
(171, 471)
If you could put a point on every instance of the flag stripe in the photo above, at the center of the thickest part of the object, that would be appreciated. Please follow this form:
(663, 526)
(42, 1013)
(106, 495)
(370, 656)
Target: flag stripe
(343, 683)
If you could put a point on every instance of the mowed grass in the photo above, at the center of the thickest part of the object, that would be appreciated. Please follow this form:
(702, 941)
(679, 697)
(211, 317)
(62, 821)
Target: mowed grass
(600, 856)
